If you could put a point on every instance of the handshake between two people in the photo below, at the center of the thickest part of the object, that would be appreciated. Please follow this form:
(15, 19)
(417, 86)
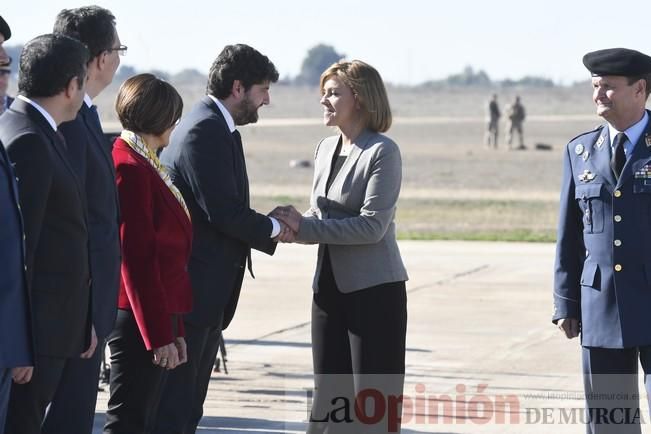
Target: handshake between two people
(290, 221)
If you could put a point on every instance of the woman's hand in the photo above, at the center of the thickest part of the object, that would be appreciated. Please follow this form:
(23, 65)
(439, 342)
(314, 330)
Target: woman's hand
(167, 356)
(288, 215)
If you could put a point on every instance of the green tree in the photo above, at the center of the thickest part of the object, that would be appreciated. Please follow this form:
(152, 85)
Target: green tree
(318, 58)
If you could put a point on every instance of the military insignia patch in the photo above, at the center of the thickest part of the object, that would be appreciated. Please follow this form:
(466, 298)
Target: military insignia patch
(600, 142)
(586, 176)
(647, 140)
(578, 149)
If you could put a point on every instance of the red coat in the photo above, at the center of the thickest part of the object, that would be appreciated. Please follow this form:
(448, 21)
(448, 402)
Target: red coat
(156, 238)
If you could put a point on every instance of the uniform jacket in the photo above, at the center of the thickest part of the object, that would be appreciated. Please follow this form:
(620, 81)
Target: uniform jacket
(51, 200)
(356, 218)
(603, 254)
(156, 239)
(206, 163)
(90, 156)
(15, 328)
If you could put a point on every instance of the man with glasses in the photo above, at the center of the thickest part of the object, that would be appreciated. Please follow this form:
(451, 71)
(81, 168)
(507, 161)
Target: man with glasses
(73, 407)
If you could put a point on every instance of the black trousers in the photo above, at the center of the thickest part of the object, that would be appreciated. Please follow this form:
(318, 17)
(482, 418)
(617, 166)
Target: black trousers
(136, 383)
(72, 410)
(28, 402)
(181, 406)
(358, 349)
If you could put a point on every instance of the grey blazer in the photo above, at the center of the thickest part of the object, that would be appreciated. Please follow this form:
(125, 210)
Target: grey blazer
(355, 218)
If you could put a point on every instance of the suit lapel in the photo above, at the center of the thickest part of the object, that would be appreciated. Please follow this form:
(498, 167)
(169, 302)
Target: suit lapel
(361, 142)
(92, 124)
(55, 140)
(601, 151)
(168, 196)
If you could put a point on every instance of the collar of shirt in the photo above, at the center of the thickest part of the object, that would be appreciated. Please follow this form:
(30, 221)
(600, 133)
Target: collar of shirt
(222, 108)
(4, 102)
(88, 101)
(633, 133)
(44, 112)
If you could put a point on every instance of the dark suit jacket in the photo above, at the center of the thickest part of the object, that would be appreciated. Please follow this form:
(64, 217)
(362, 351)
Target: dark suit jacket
(156, 242)
(602, 274)
(207, 164)
(15, 330)
(90, 156)
(51, 200)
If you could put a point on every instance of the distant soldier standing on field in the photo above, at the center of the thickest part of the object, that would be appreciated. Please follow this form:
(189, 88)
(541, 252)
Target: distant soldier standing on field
(516, 115)
(493, 121)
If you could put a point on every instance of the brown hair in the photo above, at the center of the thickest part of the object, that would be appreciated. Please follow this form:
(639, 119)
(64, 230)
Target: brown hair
(367, 85)
(148, 105)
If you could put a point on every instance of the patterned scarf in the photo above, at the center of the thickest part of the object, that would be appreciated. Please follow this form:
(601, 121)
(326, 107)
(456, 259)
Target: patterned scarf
(136, 143)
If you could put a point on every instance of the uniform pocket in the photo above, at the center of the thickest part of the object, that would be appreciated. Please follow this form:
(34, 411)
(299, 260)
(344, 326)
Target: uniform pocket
(591, 204)
(589, 274)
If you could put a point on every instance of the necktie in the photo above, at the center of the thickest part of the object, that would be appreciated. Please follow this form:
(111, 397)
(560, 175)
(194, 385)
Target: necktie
(619, 156)
(238, 140)
(95, 117)
(62, 140)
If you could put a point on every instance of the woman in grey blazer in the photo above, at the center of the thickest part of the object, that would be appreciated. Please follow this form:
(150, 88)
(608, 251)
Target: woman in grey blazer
(359, 309)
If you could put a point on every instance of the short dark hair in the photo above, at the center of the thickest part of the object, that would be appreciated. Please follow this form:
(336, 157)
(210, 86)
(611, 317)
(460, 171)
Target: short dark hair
(92, 25)
(148, 105)
(647, 80)
(48, 63)
(239, 62)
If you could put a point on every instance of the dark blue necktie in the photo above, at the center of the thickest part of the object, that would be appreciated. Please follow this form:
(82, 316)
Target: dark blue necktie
(618, 160)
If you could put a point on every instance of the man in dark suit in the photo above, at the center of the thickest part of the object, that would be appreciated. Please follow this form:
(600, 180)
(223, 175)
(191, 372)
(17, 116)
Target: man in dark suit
(206, 162)
(73, 409)
(51, 83)
(16, 352)
(602, 282)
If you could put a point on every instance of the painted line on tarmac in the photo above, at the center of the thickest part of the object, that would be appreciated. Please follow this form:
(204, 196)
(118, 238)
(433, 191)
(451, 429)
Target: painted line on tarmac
(450, 278)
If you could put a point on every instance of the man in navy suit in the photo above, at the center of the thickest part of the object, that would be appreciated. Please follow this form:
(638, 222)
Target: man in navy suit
(73, 408)
(602, 282)
(16, 351)
(51, 84)
(206, 162)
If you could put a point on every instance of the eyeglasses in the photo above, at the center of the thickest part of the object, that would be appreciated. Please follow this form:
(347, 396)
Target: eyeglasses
(122, 50)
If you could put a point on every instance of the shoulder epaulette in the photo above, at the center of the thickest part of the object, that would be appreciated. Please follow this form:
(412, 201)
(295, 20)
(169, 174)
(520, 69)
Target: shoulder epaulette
(597, 128)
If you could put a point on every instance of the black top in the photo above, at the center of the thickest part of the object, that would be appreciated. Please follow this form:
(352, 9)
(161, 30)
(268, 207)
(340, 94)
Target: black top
(337, 162)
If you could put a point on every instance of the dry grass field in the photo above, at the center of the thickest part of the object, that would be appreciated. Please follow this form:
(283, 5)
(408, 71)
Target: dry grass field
(453, 187)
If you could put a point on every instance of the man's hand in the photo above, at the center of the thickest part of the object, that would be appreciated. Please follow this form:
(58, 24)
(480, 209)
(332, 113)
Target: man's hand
(182, 349)
(22, 374)
(93, 344)
(569, 326)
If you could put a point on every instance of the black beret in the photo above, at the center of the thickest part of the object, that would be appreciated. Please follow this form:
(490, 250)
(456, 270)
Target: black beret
(617, 61)
(4, 29)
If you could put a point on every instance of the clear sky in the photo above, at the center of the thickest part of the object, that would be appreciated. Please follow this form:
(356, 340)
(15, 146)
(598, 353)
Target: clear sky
(408, 41)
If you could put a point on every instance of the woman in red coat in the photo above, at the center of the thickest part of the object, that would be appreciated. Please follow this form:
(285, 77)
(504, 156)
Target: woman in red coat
(156, 236)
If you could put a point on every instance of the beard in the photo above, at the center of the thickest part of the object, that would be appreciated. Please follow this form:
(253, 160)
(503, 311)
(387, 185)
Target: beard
(246, 113)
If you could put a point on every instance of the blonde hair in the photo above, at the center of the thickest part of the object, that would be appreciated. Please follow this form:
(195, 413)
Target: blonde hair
(368, 87)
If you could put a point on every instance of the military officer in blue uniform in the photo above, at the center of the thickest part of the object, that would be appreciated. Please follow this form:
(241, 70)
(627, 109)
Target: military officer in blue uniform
(602, 275)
